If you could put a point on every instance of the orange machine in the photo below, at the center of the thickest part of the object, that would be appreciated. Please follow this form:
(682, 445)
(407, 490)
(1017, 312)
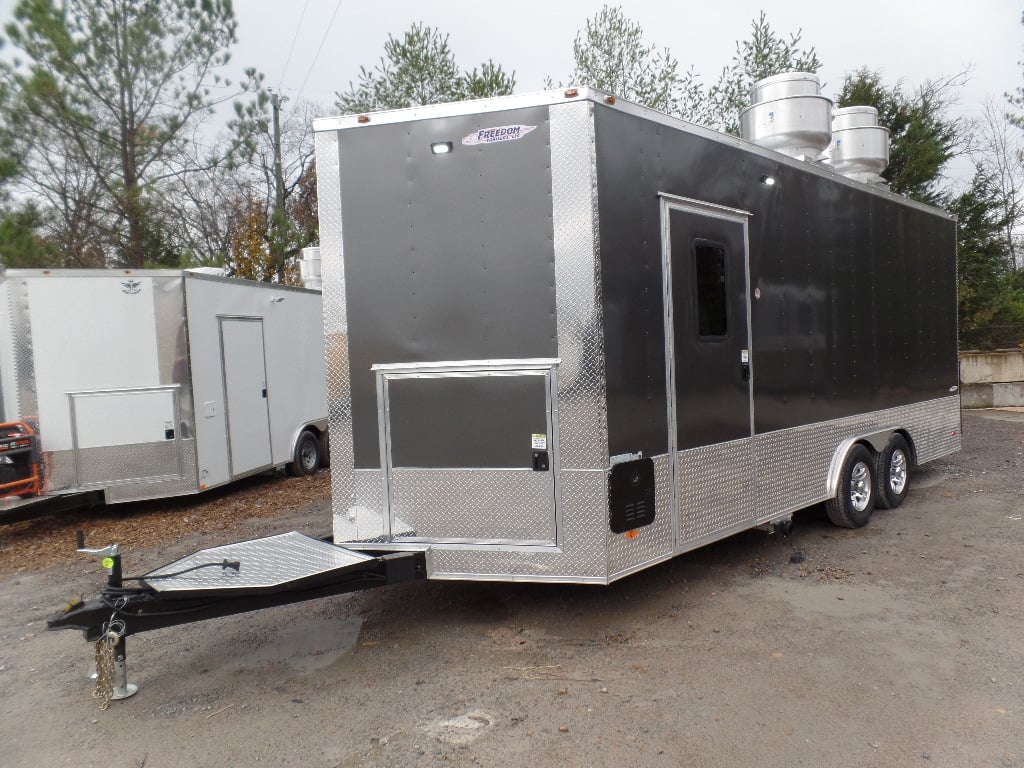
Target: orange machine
(19, 463)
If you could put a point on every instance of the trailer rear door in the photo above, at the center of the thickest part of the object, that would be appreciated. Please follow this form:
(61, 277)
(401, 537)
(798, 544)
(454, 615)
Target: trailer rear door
(708, 348)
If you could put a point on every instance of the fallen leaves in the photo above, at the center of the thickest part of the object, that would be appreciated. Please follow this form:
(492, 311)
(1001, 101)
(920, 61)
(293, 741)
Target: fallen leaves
(36, 544)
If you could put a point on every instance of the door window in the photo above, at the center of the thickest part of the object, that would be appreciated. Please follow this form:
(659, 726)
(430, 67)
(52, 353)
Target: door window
(709, 259)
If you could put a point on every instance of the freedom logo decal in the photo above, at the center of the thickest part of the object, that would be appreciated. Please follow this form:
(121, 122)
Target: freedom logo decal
(497, 134)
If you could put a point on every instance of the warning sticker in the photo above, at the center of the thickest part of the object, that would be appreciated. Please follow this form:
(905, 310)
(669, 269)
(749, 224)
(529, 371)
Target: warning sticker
(497, 134)
(540, 442)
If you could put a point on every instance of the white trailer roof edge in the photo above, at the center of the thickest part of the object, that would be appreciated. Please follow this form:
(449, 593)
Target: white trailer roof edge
(186, 273)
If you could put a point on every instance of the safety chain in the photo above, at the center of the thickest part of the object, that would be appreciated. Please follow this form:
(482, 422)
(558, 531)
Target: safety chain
(113, 631)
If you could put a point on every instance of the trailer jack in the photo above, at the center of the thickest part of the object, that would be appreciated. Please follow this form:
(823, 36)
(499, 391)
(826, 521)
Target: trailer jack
(221, 581)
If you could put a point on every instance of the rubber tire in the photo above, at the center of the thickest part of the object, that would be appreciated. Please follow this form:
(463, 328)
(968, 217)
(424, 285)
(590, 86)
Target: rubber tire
(325, 450)
(885, 496)
(840, 508)
(306, 458)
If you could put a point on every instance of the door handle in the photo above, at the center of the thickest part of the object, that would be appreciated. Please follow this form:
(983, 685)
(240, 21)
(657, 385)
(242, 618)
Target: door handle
(745, 370)
(264, 392)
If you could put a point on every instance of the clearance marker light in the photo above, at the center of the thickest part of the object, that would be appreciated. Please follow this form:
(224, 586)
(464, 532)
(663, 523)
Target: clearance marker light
(441, 147)
(632, 534)
(610, 99)
(363, 119)
(572, 93)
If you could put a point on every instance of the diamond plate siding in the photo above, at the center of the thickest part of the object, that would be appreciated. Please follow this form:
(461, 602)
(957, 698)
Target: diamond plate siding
(792, 465)
(155, 488)
(60, 470)
(582, 423)
(474, 505)
(27, 405)
(714, 489)
(172, 347)
(654, 542)
(332, 268)
(581, 557)
(265, 563)
(364, 519)
(125, 463)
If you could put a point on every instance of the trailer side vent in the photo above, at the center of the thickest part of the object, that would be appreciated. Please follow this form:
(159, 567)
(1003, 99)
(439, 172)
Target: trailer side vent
(860, 146)
(787, 113)
(631, 495)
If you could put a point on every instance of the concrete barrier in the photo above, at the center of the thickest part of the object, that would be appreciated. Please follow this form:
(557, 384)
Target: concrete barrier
(992, 379)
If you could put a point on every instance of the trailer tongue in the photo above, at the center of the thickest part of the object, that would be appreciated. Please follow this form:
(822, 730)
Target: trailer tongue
(220, 581)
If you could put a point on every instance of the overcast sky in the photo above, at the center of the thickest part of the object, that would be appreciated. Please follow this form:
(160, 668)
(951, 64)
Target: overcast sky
(911, 40)
(312, 48)
(908, 40)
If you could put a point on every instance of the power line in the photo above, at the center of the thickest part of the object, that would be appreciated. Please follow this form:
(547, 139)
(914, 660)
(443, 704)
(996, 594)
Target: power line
(320, 48)
(291, 50)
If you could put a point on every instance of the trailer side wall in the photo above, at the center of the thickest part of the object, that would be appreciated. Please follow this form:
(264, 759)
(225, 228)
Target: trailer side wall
(857, 307)
(259, 347)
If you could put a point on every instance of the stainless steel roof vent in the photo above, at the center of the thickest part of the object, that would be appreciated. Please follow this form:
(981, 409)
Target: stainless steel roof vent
(860, 146)
(788, 114)
(309, 268)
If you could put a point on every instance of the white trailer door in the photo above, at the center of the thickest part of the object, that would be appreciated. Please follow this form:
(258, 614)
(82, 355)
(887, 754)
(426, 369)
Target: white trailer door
(245, 393)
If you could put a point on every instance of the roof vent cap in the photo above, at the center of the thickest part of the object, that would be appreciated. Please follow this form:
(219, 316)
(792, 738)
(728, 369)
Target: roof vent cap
(789, 114)
(860, 146)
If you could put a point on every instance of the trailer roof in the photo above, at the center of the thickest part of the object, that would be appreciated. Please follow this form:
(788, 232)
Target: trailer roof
(583, 93)
(185, 273)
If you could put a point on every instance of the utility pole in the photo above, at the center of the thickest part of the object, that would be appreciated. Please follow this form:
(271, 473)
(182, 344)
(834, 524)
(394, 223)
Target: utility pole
(277, 223)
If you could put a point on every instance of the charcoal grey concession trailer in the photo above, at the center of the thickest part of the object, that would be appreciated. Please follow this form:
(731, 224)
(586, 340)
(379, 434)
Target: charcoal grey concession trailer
(569, 337)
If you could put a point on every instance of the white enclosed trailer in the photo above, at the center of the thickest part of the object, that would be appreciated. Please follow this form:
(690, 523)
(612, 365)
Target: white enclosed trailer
(153, 383)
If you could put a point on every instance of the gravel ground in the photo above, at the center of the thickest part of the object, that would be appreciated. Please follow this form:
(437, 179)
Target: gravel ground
(898, 644)
(35, 544)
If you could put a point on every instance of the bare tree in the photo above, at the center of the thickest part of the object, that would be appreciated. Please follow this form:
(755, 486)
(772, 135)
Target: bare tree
(123, 83)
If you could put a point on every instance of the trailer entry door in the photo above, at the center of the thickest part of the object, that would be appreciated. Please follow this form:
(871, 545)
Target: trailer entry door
(245, 393)
(709, 368)
(469, 452)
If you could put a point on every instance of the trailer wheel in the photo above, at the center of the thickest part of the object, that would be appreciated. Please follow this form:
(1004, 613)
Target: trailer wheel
(325, 450)
(855, 495)
(306, 459)
(892, 473)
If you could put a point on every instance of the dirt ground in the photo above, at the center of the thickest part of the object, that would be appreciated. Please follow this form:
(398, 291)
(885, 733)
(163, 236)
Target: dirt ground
(898, 644)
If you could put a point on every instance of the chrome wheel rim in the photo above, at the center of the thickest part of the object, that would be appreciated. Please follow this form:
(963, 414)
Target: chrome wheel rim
(307, 455)
(860, 486)
(898, 472)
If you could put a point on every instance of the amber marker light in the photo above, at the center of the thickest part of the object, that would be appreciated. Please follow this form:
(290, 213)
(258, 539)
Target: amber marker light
(632, 534)
(610, 99)
(572, 93)
(363, 118)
